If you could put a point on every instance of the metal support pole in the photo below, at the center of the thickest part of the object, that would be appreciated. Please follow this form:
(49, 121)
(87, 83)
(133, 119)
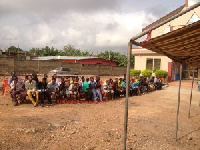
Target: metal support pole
(191, 94)
(179, 93)
(127, 92)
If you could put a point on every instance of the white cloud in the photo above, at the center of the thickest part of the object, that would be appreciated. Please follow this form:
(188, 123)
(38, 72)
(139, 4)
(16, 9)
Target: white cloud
(100, 29)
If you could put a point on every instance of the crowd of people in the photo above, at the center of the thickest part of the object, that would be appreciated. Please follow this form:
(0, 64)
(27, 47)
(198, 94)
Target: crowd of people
(75, 88)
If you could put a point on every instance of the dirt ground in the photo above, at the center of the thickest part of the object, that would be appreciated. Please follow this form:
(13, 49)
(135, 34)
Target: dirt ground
(151, 124)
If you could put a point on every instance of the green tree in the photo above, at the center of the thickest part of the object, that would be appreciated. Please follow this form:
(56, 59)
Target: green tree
(14, 49)
(116, 56)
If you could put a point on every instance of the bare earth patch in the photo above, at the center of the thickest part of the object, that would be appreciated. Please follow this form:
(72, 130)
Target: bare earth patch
(151, 124)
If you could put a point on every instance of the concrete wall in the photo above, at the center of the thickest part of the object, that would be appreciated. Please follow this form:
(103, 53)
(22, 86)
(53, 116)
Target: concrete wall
(6, 64)
(41, 67)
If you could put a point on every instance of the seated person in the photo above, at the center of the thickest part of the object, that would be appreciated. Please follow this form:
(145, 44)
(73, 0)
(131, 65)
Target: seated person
(10, 79)
(134, 86)
(75, 91)
(62, 88)
(107, 89)
(80, 87)
(43, 92)
(94, 87)
(25, 78)
(143, 85)
(30, 87)
(70, 90)
(35, 78)
(116, 89)
(86, 90)
(157, 83)
(53, 88)
(67, 90)
(120, 84)
(17, 88)
(124, 87)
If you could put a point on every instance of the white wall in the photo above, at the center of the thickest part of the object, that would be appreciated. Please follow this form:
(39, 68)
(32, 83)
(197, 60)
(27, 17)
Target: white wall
(140, 61)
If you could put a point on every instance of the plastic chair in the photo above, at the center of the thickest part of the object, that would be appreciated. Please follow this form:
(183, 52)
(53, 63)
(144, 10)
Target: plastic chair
(6, 87)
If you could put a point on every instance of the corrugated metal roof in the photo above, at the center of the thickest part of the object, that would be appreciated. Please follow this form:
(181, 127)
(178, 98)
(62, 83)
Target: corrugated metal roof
(62, 58)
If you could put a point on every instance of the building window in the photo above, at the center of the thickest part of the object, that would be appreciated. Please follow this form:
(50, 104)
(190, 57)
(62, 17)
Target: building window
(153, 64)
(149, 65)
(157, 64)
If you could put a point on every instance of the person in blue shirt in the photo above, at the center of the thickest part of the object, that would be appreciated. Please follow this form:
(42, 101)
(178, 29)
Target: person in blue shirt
(95, 91)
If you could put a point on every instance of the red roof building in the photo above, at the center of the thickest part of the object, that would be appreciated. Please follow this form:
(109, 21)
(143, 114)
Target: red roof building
(77, 59)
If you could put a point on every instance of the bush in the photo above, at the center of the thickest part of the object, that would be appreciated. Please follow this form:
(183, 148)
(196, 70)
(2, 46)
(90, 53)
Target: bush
(135, 73)
(161, 73)
(147, 73)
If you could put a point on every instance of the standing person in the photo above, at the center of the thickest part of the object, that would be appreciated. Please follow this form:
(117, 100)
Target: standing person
(94, 90)
(30, 87)
(17, 88)
(43, 92)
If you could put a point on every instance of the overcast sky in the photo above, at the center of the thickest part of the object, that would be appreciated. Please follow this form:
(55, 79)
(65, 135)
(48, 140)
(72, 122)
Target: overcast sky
(94, 25)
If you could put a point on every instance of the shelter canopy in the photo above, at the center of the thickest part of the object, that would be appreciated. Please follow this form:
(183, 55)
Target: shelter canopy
(181, 45)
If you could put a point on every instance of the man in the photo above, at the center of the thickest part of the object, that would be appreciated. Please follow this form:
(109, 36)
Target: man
(124, 87)
(53, 88)
(17, 88)
(120, 84)
(10, 79)
(86, 89)
(43, 92)
(62, 88)
(30, 87)
(116, 89)
(94, 90)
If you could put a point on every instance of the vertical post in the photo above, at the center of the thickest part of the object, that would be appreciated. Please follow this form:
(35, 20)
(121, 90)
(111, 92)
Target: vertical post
(179, 92)
(127, 92)
(191, 94)
(38, 67)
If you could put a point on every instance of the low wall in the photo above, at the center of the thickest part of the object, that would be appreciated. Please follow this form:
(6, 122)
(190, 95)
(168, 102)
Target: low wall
(43, 67)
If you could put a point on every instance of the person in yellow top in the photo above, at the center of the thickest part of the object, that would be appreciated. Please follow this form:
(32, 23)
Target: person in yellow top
(30, 86)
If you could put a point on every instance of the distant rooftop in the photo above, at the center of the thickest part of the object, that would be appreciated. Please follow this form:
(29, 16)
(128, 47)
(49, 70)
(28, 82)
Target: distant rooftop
(63, 58)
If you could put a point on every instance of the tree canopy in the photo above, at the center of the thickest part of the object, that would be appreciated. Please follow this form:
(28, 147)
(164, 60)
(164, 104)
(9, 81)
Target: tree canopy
(116, 56)
(70, 50)
(14, 49)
